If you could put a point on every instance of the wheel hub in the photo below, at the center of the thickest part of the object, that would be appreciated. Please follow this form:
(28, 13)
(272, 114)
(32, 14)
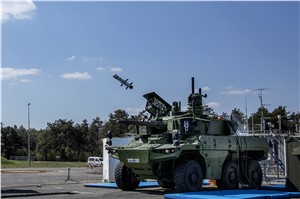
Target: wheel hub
(255, 175)
(193, 178)
(232, 176)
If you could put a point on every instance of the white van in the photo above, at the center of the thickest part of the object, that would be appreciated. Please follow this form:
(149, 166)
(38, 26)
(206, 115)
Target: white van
(95, 161)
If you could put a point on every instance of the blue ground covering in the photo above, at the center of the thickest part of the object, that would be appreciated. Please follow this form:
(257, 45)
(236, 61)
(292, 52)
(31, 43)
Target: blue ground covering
(141, 185)
(113, 185)
(234, 194)
(275, 187)
(271, 192)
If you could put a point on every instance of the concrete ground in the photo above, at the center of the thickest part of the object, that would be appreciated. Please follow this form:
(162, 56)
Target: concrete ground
(57, 183)
(64, 183)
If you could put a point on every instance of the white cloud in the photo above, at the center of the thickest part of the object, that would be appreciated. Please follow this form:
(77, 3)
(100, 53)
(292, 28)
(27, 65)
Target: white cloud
(14, 73)
(229, 87)
(239, 92)
(25, 80)
(17, 10)
(101, 68)
(92, 59)
(77, 75)
(205, 88)
(71, 58)
(232, 91)
(115, 69)
(213, 105)
(12, 84)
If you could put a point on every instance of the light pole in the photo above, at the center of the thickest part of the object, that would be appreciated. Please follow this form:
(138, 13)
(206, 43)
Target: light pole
(299, 126)
(29, 134)
(279, 121)
(252, 124)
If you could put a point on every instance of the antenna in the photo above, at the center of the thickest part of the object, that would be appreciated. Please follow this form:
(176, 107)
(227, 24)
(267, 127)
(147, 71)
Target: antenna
(260, 96)
(262, 120)
(246, 109)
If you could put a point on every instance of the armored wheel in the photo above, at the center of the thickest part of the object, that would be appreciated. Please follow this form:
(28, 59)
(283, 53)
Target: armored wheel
(125, 178)
(254, 175)
(230, 176)
(188, 176)
(166, 184)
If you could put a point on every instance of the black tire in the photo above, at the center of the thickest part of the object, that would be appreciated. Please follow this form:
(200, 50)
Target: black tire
(254, 175)
(188, 176)
(166, 184)
(230, 176)
(125, 178)
(219, 183)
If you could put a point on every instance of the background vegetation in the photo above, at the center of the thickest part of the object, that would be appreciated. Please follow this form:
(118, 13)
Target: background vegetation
(6, 164)
(62, 140)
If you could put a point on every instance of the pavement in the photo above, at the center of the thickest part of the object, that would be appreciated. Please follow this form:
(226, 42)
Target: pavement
(64, 183)
(69, 183)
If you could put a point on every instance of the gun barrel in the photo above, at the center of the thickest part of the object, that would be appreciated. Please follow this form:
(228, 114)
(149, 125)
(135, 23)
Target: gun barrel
(193, 85)
(141, 123)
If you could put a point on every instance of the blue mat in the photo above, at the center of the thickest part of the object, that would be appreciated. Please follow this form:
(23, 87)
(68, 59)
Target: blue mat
(275, 187)
(141, 185)
(233, 194)
(114, 185)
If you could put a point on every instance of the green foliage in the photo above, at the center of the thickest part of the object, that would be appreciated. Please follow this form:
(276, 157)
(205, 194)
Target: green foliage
(118, 130)
(63, 140)
(10, 141)
(5, 161)
(294, 122)
(40, 164)
(238, 116)
(288, 122)
(94, 137)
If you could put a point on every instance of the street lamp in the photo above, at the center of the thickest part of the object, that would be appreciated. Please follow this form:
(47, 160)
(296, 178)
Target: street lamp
(252, 124)
(28, 134)
(279, 121)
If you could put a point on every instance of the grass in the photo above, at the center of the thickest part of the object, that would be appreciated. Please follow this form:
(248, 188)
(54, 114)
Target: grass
(5, 164)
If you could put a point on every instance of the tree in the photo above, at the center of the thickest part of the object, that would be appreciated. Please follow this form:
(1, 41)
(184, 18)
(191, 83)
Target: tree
(238, 116)
(33, 141)
(209, 111)
(294, 122)
(274, 118)
(142, 116)
(288, 121)
(61, 132)
(44, 145)
(94, 137)
(225, 116)
(257, 119)
(78, 142)
(23, 134)
(113, 126)
(10, 141)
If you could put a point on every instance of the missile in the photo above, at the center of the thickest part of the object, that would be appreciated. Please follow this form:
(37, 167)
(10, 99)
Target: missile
(123, 82)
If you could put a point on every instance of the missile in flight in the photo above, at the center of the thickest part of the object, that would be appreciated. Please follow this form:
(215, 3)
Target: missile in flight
(123, 82)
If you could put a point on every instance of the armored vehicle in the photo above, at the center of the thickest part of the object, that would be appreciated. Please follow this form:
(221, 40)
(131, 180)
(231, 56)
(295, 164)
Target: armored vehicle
(181, 148)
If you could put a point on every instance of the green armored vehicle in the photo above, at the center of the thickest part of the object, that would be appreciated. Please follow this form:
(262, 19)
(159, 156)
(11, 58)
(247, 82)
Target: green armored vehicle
(180, 149)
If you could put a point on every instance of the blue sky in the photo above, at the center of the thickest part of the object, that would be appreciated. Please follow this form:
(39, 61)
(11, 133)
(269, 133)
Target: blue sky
(60, 56)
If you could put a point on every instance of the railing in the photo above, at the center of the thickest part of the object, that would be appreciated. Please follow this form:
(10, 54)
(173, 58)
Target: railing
(275, 163)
